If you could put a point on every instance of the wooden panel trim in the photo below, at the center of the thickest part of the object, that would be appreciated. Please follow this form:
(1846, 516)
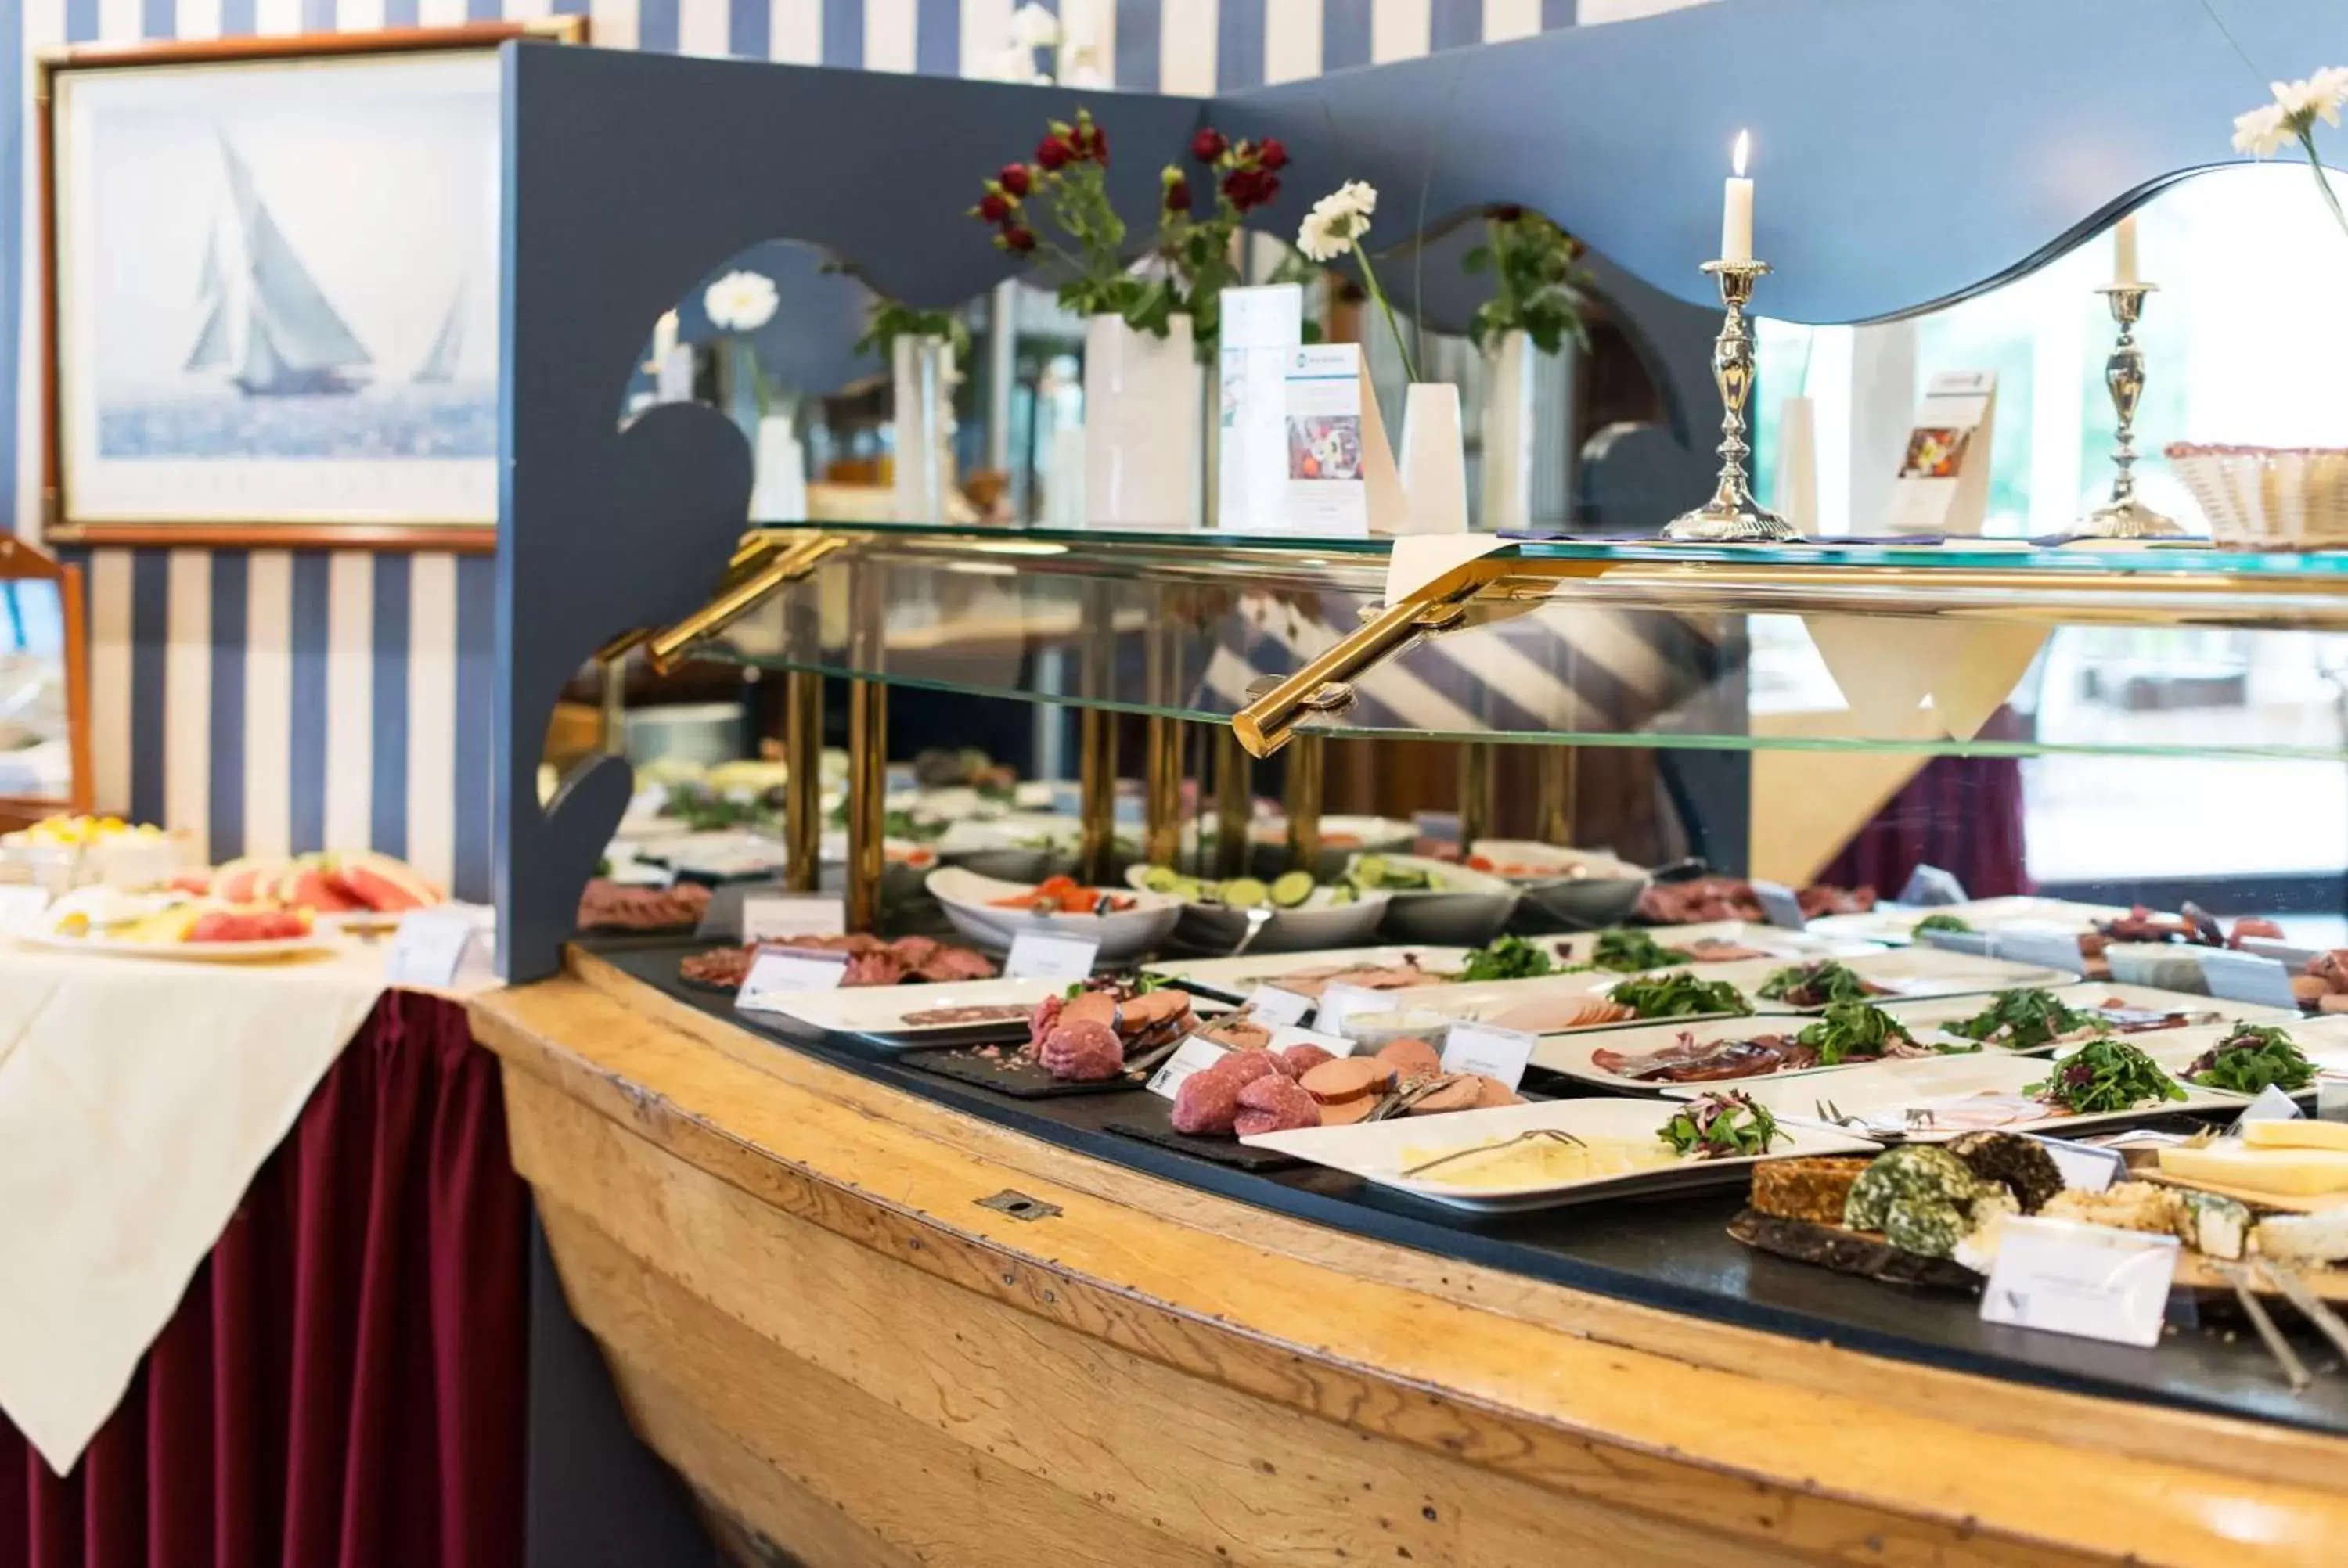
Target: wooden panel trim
(1853, 1456)
(457, 539)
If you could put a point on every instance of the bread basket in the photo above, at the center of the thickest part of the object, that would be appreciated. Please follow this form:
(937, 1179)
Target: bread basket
(2268, 497)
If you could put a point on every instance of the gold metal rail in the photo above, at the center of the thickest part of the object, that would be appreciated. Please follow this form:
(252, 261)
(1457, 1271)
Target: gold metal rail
(745, 588)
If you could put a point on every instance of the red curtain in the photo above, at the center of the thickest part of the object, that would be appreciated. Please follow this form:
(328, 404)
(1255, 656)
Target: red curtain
(344, 1383)
(1962, 815)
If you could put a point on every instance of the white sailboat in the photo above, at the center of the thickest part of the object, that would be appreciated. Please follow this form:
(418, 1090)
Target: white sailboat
(265, 320)
(439, 364)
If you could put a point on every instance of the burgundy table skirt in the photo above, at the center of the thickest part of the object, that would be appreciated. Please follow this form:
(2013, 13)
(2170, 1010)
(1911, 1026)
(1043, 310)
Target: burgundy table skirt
(344, 1384)
(1962, 815)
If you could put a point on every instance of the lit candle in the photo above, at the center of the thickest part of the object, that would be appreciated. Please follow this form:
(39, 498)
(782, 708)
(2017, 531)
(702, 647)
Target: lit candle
(1736, 208)
(2123, 254)
(664, 336)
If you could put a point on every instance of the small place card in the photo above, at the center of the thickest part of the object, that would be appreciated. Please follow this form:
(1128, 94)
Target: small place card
(2088, 1280)
(1501, 1053)
(1977, 943)
(721, 918)
(789, 971)
(771, 916)
(2089, 1170)
(21, 905)
(1287, 1034)
(2294, 959)
(1931, 887)
(1041, 955)
(2048, 950)
(1779, 904)
(1271, 1006)
(2272, 1103)
(429, 946)
(2331, 1098)
(1340, 1002)
(1195, 1054)
(2248, 978)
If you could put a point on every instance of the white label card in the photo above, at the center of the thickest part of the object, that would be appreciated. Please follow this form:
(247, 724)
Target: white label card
(1195, 1054)
(1041, 955)
(770, 917)
(2271, 1103)
(2049, 949)
(21, 905)
(785, 971)
(2248, 978)
(1288, 1034)
(1501, 1053)
(1340, 1002)
(1929, 886)
(1272, 1007)
(2089, 1170)
(429, 946)
(2088, 1280)
(1778, 903)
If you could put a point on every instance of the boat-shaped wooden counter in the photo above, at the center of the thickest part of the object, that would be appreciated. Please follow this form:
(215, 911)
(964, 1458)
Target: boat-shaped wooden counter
(820, 1307)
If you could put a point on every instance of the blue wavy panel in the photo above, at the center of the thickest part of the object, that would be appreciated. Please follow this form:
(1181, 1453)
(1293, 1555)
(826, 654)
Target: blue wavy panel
(1906, 152)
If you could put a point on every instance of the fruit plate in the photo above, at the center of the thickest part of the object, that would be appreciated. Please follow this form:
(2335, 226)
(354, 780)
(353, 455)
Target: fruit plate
(1380, 1152)
(181, 952)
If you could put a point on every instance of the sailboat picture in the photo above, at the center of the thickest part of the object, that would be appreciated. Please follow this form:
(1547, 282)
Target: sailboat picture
(287, 303)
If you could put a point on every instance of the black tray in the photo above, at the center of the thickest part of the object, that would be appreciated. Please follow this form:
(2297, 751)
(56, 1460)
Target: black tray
(1020, 1079)
(1154, 1123)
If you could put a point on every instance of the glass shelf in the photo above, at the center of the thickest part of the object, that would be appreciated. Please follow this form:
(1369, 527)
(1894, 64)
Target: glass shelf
(1979, 648)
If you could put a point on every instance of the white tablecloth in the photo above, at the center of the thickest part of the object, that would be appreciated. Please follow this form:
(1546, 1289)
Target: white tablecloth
(139, 1098)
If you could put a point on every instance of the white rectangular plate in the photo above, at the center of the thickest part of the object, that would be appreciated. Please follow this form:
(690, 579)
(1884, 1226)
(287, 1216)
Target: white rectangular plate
(1884, 1092)
(1776, 939)
(1575, 1055)
(1905, 973)
(1236, 978)
(1376, 1151)
(881, 1009)
(1897, 923)
(2323, 1041)
(1921, 1015)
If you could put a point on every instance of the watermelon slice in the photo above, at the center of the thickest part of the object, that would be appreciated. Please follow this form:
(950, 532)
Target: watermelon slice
(310, 883)
(383, 884)
(248, 879)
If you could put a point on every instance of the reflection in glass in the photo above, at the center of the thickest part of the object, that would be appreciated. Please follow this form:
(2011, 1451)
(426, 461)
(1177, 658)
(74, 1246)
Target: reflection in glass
(36, 745)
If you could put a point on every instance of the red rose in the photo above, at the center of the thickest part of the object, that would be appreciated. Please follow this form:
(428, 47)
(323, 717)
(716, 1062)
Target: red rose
(1054, 152)
(993, 208)
(1266, 189)
(1248, 189)
(1271, 155)
(1508, 214)
(1098, 148)
(1015, 180)
(1177, 194)
(1208, 145)
(1016, 238)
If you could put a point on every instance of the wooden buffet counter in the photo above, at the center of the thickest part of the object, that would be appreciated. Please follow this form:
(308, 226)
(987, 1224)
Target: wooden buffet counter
(811, 1311)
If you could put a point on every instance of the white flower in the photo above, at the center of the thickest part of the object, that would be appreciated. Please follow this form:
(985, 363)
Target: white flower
(1081, 68)
(740, 302)
(1033, 27)
(2319, 95)
(2262, 131)
(1010, 64)
(1336, 221)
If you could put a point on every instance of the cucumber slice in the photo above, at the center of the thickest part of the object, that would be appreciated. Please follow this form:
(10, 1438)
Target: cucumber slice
(1161, 879)
(1370, 870)
(1291, 889)
(1343, 893)
(1244, 893)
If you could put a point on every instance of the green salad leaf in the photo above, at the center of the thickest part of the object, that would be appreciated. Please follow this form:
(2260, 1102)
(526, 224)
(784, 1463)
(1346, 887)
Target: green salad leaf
(2022, 1021)
(2251, 1057)
(1816, 984)
(1509, 959)
(1942, 923)
(1853, 1029)
(1678, 995)
(2106, 1073)
(1627, 951)
(1721, 1126)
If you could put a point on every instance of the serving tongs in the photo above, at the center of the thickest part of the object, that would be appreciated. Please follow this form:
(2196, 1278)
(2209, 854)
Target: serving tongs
(1919, 1118)
(2293, 1368)
(1548, 1134)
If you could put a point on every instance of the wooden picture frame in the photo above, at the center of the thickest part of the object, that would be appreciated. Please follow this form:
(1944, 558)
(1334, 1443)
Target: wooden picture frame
(239, 441)
(21, 561)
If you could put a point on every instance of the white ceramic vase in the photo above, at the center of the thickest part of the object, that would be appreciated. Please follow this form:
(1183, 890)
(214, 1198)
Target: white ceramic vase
(922, 390)
(1144, 396)
(778, 495)
(1795, 495)
(1434, 473)
(1507, 457)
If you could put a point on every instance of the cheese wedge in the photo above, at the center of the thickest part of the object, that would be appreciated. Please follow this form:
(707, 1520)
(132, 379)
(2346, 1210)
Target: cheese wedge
(2296, 1133)
(2292, 1172)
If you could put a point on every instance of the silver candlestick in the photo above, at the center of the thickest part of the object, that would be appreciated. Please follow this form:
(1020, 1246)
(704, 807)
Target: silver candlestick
(2124, 516)
(1731, 516)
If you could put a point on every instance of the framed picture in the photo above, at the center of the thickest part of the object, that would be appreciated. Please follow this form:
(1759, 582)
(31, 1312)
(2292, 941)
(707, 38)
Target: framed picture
(273, 286)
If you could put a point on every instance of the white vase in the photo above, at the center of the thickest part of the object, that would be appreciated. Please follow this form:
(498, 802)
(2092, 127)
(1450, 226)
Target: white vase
(1143, 398)
(1795, 495)
(920, 392)
(1434, 473)
(1508, 459)
(780, 493)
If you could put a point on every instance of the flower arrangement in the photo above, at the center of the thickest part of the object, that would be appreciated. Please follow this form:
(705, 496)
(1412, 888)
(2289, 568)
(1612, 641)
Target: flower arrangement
(891, 318)
(1066, 188)
(2292, 116)
(739, 303)
(1074, 41)
(1198, 245)
(1534, 290)
(1334, 228)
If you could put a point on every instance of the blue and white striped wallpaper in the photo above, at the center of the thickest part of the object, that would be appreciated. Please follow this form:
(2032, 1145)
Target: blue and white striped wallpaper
(277, 701)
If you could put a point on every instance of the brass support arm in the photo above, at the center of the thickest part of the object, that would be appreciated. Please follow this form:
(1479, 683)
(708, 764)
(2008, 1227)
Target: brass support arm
(743, 593)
